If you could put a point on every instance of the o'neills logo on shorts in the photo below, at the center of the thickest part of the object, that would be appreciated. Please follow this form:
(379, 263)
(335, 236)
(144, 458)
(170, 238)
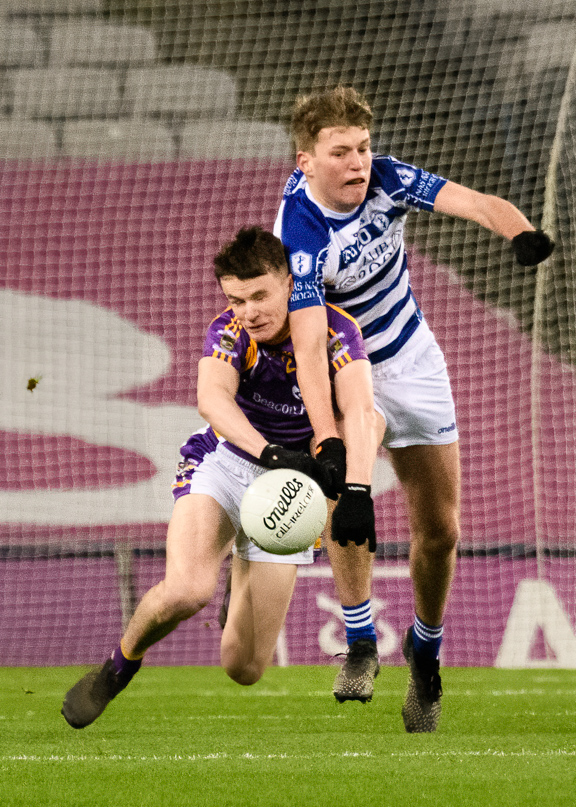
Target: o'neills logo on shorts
(287, 495)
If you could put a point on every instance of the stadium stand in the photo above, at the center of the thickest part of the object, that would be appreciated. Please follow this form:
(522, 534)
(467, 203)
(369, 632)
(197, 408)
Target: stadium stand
(122, 139)
(49, 7)
(179, 90)
(77, 92)
(32, 140)
(215, 139)
(91, 42)
(20, 45)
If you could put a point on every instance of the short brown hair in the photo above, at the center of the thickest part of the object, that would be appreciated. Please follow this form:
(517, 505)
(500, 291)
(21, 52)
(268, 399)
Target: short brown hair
(342, 106)
(251, 253)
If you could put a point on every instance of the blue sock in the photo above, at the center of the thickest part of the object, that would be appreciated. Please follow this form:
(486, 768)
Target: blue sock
(427, 639)
(358, 622)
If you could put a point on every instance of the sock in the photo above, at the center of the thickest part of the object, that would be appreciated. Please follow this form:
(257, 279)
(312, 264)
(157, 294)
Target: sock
(126, 667)
(358, 622)
(427, 639)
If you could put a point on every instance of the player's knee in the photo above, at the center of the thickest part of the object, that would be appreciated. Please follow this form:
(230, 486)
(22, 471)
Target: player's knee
(441, 537)
(238, 666)
(245, 676)
(181, 604)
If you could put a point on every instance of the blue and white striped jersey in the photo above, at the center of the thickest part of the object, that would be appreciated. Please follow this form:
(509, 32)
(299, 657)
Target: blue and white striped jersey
(357, 260)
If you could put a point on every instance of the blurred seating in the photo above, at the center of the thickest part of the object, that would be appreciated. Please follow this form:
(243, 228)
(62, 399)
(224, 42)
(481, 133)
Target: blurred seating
(20, 45)
(122, 140)
(92, 42)
(179, 90)
(549, 45)
(50, 7)
(229, 139)
(26, 140)
(61, 92)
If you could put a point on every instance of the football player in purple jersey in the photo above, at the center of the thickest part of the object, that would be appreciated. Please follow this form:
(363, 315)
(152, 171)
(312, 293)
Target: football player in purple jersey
(247, 391)
(341, 219)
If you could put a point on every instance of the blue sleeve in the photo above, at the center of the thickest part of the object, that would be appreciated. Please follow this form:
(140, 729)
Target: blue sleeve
(420, 187)
(305, 237)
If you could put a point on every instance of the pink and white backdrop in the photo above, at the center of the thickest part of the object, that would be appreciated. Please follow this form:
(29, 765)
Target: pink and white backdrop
(106, 290)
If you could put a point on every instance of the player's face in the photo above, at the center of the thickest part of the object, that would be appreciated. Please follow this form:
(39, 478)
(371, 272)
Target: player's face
(261, 304)
(338, 170)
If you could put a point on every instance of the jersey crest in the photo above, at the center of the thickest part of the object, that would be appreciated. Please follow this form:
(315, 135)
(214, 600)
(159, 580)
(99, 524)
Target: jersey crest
(300, 263)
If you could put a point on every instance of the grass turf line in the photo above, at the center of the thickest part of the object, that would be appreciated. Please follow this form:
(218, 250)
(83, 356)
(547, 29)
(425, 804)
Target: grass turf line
(189, 736)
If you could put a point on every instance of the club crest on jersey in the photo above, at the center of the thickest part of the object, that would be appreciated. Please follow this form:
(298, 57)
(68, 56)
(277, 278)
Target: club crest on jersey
(301, 263)
(406, 176)
(337, 347)
(381, 222)
(227, 341)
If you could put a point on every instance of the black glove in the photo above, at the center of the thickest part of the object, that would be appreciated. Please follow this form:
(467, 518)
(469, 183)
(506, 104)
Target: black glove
(353, 517)
(532, 247)
(331, 454)
(274, 456)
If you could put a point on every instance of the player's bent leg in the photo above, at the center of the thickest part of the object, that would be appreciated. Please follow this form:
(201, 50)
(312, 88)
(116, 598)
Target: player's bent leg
(223, 612)
(351, 568)
(430, 476)
(260, 596)
(352, 572)
(199, 538)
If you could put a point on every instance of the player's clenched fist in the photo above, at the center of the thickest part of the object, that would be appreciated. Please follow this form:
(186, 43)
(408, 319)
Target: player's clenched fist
(274, 456)
(331, 454)
(353, 517)
(532, 247)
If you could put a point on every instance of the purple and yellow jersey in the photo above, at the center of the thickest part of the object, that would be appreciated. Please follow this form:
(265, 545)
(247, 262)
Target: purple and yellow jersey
(268, 392)
(358, 260)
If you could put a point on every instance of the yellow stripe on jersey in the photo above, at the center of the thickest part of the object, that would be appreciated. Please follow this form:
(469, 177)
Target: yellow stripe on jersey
(219, 315)
(251, 355)
(344, 314)
(341, 360)
(234, 328)
(217, 354)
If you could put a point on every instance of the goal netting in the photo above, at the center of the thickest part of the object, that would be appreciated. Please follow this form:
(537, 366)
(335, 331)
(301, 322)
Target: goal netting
(135, 137)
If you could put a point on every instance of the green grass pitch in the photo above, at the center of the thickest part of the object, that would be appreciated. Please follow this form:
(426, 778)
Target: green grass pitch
(189, 736)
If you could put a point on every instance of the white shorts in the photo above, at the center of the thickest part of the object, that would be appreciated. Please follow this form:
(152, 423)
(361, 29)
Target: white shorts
(224, 477)
(413, 394)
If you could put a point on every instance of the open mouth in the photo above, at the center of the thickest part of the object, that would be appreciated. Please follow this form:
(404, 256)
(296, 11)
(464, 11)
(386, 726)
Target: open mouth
(357, 181)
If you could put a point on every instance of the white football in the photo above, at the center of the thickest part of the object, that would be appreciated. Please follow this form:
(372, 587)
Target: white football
(283, 511)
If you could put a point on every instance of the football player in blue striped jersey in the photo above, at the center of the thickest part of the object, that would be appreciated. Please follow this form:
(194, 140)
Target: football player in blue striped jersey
(341, 219)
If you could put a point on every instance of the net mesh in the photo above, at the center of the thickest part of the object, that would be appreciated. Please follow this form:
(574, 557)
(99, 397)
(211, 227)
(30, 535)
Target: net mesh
(136, 137)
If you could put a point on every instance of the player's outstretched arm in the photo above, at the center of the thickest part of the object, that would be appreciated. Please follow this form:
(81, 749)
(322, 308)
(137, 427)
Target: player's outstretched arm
(530, 246)
(217, 387)
(355, 400)
(308, 327)
(353, 518)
